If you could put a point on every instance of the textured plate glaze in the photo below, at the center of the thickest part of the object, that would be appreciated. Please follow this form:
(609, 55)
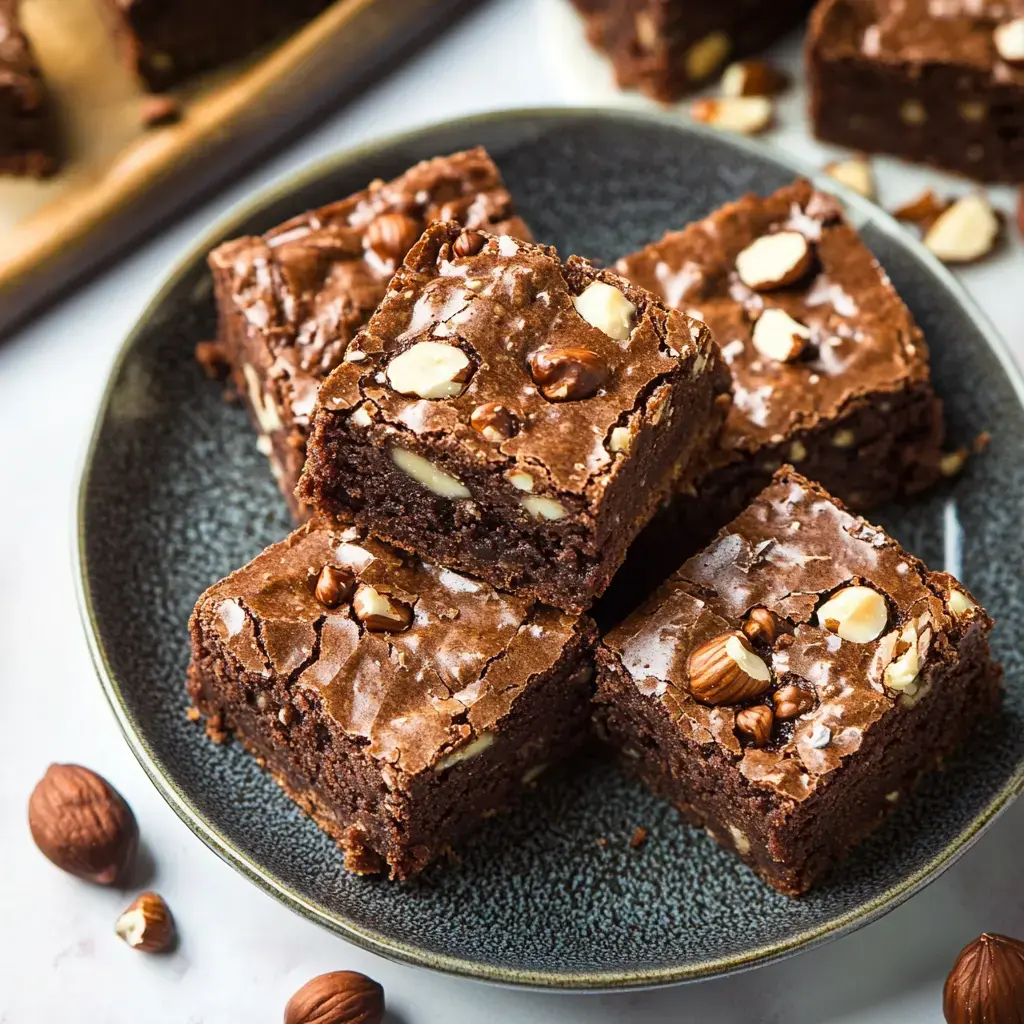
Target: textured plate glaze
(175, 495)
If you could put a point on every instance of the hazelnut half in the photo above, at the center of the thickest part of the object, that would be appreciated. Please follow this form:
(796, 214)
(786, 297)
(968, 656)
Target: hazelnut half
(341, 997)
(147, 925)
(755, 724)
(82, 824)
(378, 612)
(567, 374)
(774, 261)
(333, 586)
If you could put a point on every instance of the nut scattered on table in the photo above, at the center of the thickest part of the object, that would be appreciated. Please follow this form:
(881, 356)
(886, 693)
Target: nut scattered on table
(147, 925)
(986, 983)
(747, 115)
(82, 824)
(855, 174)
(753, 78)
(756, 724)
(725, 670)
(774, 261)
(857, 614)
(924, 210)
(341, 997)
(965, 232)
(567, 374)
(778, 337)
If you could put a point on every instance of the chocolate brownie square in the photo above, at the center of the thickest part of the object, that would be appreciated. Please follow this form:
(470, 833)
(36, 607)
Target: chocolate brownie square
(398, 703)
(167, 41)
(27, 132)
(667, 48)
(830, 371)
(514, 416)
(935, 83)
(791, 682)
(290, 301)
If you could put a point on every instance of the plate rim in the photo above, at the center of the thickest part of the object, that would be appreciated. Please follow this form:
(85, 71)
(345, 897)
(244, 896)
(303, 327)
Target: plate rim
(227, 225)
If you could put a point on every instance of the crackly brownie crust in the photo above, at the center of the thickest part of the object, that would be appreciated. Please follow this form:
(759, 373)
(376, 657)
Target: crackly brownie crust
(397, 742)
(547, 502)
(667, 48)
(792, 804)
(166, 41)
(921, 80)
(289, 302)
(855, 410)
(27, 132)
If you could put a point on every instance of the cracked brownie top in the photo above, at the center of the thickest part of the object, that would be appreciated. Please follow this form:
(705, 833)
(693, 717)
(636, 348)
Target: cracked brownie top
(547, 370)
(418, 661)
(796, 630)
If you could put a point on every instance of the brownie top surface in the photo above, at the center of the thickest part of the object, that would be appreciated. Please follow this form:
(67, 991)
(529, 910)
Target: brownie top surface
(962, 32)
(793, 549)
(309, 284)
(523, 324)
(422, 675)
(860, 338)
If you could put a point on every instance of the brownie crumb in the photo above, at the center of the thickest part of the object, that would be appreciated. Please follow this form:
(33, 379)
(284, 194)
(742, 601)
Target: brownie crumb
(211, 357)
(601, 841)
(192, 713)
(638, 838)
(215, 729)
(981, 442)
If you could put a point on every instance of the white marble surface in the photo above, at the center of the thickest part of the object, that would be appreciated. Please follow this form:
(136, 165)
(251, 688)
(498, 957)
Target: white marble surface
(242, 954)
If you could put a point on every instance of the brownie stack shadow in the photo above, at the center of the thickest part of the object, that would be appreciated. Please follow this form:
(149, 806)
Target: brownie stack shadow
(481, 440)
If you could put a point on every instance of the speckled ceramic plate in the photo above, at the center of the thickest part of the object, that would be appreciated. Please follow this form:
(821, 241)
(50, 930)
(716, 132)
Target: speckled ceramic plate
(175, 495)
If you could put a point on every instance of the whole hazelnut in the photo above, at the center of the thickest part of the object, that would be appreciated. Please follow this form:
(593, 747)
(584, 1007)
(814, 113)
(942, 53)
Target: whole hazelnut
(82, 824)
(986, 983)
(341, 997)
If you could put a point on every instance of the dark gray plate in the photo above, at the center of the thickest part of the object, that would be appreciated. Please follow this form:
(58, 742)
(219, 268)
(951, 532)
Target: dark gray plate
(175, 495)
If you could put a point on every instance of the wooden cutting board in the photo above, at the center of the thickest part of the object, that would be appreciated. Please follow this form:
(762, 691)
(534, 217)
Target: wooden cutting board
(120, 180)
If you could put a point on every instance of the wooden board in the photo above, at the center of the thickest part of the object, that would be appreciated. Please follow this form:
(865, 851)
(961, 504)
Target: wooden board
(120, 179)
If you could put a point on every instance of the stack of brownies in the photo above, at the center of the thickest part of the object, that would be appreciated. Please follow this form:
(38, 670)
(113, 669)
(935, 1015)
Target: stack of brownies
(479, 432)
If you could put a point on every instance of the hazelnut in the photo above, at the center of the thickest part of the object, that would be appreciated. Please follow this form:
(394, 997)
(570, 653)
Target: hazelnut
(755, 724)
(901, 673)
(1009, 41)
(469, 243)
(760, 625)
(747, 115)
(774, 261)
(706, 56)
(605, 307)
(855, 174)
(922, 211)
(544, 508)
(753, 78)
(147, 924)
(430, 369)
(725, 670)
(777, 336)
(82, 824)
(857, 614)
(986, 983)
(378, 612)
(964, 232)
(333, 586)
(493, 422)
(424, 472)
(567, 374)
(960, 604)
(392, 235)
(341, 997)
(791, 701)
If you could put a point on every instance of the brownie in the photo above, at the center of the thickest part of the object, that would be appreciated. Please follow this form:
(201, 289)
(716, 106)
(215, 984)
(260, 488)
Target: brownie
(398, 703)
(289, 302)
(790, 683)
(830, 371)
(167, 41)
(667, 48)
(937, 83)
(514, 416)
(27, 132)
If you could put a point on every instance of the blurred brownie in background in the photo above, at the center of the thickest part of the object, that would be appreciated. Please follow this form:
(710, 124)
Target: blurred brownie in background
(667, 48)
(940, 84)
(166, 41)
(27, 132)
(289, 302)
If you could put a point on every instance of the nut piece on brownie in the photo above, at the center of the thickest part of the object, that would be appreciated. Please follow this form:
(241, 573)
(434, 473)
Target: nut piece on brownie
(776, 687)
(514, 416)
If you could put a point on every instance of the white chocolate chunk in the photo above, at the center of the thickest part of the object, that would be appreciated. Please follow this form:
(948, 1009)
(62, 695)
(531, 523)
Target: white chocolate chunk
(544, 508)
(778, 336)
(966, 231)
(471, 749)
(429, 370)
(424, 472)
(860, 614)
(607, 309)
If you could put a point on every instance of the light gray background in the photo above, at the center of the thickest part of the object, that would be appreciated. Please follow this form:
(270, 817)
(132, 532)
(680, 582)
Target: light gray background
(242, 954)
